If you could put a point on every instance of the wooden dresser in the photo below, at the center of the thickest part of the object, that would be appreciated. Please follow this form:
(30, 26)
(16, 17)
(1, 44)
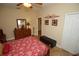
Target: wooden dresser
(22, 32)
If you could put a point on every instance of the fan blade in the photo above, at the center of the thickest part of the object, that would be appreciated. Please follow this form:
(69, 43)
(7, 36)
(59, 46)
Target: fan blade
(31, 7)
(19, 4)
(39, 3)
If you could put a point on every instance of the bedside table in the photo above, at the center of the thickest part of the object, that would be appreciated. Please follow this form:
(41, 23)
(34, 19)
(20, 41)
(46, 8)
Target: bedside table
(2, 36)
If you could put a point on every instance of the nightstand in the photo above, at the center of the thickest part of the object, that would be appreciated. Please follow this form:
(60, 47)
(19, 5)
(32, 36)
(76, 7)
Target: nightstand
(2, 36)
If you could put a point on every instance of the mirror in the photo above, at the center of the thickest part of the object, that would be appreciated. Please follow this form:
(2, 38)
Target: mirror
(21, 23)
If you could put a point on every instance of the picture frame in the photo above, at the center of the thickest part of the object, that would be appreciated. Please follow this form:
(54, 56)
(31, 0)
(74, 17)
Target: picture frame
(46, 22)
(21, 23)
(54, 22)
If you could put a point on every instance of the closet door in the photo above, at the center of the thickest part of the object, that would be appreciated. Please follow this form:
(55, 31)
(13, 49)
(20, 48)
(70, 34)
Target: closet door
(70, 40)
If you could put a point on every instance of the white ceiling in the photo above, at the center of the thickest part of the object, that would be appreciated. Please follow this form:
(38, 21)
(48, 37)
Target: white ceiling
(8, 4)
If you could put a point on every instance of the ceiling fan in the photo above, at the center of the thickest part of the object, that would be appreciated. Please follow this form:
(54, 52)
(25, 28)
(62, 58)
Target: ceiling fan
(28, 5)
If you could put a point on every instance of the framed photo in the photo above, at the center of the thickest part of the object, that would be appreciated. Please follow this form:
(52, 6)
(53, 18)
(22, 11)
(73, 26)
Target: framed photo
(46, 22)
(21, 23)
(54, 22)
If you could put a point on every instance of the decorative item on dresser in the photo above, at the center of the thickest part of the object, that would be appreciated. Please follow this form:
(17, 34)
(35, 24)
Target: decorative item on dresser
(2, 36)
(22, 32)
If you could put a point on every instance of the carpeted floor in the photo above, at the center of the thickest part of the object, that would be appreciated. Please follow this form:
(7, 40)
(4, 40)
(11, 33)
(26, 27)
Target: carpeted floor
(59, 52)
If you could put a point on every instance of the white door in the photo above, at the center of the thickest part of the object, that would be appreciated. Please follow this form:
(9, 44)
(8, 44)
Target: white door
(70, 40)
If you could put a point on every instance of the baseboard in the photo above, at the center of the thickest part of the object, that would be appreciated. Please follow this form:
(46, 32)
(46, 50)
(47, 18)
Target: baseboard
(71, 52)
(10, 38)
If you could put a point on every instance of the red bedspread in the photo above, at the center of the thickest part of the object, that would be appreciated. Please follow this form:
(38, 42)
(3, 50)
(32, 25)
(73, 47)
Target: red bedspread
(29, 46)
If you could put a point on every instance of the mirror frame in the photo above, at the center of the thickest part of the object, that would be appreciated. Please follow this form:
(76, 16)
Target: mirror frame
(24, 25)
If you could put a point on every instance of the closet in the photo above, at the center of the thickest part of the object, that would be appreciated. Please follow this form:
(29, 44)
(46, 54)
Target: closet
(70, 38)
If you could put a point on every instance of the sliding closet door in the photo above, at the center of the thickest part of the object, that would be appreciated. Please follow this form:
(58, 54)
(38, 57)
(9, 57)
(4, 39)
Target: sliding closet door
(70, 40)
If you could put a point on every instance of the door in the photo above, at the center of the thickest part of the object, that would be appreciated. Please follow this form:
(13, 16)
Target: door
(70, 41)
(39, 26)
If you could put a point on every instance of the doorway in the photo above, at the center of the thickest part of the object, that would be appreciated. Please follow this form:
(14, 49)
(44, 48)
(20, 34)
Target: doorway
(39, 26)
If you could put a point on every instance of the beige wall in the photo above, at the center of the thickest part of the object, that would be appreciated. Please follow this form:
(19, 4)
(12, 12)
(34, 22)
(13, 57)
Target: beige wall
(60, 10)
(8, 16)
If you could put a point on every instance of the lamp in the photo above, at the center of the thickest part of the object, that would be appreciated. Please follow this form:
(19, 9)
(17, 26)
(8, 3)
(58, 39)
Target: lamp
(28, 25)
(27, 5)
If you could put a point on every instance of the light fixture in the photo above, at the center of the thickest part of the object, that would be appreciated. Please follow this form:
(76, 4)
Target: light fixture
(27, 4)
(28, 25)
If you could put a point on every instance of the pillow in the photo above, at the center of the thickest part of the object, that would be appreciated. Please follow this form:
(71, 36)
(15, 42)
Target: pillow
(6, 48)
(1, 48)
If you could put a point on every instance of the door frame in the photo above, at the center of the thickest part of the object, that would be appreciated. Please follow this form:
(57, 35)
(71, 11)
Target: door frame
(39, 28)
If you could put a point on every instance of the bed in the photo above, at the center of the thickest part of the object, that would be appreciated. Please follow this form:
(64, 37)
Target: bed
(28, 46)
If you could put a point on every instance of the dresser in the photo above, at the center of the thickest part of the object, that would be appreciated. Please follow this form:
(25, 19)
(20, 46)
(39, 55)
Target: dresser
(22, 32)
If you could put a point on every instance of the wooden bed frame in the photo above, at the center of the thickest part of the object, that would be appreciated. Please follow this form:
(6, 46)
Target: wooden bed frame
(48, 53)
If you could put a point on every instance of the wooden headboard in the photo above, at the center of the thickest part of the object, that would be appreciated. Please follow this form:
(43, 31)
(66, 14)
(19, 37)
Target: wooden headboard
(22, 32)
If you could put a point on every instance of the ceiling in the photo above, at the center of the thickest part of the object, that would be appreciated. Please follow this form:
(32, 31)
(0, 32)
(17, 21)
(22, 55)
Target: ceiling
(8, 4)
